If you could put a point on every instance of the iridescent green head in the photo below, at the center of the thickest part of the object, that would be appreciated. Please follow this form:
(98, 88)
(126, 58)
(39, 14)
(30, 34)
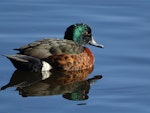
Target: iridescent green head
(81, 34)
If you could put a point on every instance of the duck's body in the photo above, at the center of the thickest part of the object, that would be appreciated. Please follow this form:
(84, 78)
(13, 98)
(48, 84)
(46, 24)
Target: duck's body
(64, 54)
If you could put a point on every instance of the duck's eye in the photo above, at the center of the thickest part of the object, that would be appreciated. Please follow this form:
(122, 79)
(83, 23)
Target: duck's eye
(88, 34)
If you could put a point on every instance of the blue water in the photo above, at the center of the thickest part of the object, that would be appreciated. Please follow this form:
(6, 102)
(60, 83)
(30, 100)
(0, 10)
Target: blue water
(122, 26)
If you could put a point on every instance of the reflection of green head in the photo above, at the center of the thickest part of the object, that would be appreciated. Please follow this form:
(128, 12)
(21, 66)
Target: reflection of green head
(79, 33)
(76, 96)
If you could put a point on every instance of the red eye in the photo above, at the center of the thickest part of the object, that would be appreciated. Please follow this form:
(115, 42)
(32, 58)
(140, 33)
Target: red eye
(86, 33)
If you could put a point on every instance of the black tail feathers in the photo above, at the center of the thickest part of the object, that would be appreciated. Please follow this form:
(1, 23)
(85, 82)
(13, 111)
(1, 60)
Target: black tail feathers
(25, 63)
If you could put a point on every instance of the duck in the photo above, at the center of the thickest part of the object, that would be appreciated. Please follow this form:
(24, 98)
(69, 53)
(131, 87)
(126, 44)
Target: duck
(67, 54)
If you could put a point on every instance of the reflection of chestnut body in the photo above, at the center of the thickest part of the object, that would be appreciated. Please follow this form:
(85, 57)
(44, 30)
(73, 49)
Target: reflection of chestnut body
(72, 85)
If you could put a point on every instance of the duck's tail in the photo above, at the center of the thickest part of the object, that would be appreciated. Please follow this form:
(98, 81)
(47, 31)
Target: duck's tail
(28, 63)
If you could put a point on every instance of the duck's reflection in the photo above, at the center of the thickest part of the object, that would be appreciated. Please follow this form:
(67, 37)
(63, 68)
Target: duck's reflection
(72, 85)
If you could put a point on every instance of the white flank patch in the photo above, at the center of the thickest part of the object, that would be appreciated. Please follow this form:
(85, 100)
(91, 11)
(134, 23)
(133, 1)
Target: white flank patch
(46, 66)
(46, 74)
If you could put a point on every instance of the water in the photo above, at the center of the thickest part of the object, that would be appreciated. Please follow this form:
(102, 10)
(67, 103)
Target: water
(121, 26)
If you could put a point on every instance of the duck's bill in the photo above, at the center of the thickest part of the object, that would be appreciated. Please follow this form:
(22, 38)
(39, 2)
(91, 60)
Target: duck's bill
(94, 43)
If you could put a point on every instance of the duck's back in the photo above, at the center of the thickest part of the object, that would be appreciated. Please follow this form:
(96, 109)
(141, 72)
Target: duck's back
(47, 47)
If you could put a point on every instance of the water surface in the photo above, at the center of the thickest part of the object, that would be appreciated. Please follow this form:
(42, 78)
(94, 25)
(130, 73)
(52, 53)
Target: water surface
(121, 26)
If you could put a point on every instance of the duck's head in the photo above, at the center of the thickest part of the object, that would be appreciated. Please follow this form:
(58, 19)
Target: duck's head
(81, 34)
